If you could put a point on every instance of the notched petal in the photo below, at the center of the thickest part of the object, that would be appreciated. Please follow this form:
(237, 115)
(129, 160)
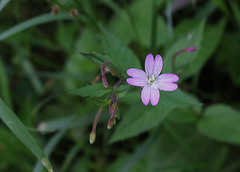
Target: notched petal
(137, 82)
(167, 86)
(158, 64)
(155, 95)
(149, 64)
(137, 73)
(145, 94)
(167, 77)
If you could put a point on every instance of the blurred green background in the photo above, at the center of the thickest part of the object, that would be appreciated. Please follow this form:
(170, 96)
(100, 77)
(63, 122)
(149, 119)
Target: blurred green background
(48, 47)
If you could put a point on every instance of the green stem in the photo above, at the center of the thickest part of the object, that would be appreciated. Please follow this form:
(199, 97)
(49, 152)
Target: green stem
(169, 19)
(132, 22)
(82, 18)
(154, 27)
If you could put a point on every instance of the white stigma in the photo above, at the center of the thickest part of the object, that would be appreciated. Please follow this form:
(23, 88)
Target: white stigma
(151, 80)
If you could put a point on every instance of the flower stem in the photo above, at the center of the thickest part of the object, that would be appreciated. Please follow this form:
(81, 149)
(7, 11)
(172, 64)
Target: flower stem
(189, 49)
(96, 119)
(154, 27)
(103, 71)
(119, 82)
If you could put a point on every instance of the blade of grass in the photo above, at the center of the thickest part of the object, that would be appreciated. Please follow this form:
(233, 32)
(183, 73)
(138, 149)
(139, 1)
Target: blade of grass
(4, 89)
(51, 145)
(70, 156)
(138, 154)
(45, 18)
(83, 17)
(3, 3)
(16, 126)
(190, 166)
(31, 73)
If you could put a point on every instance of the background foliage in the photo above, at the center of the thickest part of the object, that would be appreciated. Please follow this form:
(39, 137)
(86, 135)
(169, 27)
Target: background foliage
(50, 58)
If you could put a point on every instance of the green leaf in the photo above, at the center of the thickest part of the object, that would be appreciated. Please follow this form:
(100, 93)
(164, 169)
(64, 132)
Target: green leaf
(184, 115)
(96, 90)
(177, 99)
(168, 99)
(33, 22)
(173, 156)
(16, 126)
(221, 122)
(137, 119)
(119, 54)
(140, 118)
(95, 57)
(228, 55)
(193, 38)
(101, 102)
(3, 3)
(211, 39)
(122, 90)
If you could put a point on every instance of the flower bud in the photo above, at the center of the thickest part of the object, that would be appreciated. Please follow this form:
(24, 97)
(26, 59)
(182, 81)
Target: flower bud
(110, 124)
(55, 10)
(73, 12)
(190, 49)
(92, 137)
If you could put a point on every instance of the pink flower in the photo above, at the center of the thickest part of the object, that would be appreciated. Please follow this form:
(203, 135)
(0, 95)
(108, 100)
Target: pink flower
(151, 81)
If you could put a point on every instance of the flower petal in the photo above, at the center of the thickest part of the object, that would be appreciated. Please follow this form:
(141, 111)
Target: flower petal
(157, 65)
(167, 77)
(145, 94)
(149, 64)
(155, 95)
(137, 73)
(167, 86)
(139, 82)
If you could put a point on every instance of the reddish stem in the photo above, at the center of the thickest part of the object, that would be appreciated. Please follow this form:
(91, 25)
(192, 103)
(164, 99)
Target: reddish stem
(96, 119)
(189, 49)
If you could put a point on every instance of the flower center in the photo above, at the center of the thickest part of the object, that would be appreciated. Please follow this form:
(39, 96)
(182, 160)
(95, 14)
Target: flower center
(151, 80)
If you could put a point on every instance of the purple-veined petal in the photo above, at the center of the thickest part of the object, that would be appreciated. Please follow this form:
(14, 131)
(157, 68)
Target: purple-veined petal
(167, 77)
(149, 64)
(139, 82)
(157, 65)
(167, 86)
(145, 94)
(137, 73)
(155, 95)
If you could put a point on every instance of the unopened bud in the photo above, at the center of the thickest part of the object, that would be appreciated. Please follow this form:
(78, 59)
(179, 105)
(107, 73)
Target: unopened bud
(92, 137)
(42, 126)
(55, 10)
(190, 49)
(110, 124)
(73, 12)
